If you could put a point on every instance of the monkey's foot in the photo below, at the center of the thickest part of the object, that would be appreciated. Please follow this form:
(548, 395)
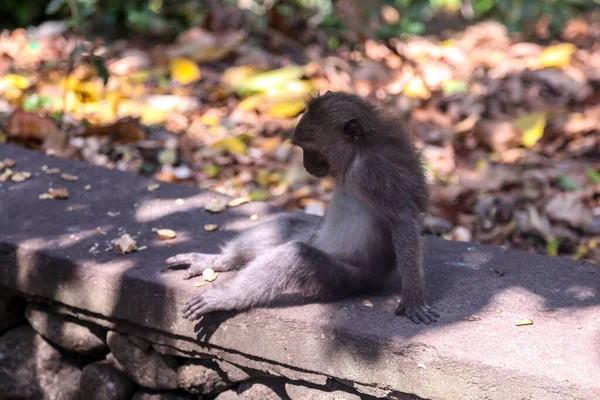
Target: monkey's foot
(418, 313)
(197, 262)
(207, 302)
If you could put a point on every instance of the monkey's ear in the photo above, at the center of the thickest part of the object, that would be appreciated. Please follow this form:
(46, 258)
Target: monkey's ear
(353, 130)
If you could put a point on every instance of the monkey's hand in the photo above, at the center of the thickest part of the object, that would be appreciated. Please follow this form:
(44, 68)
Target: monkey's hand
(213, 299)
(197, 262)
(417, 312)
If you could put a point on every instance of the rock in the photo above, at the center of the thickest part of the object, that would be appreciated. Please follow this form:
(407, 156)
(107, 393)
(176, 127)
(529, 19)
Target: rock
(146, 367)
(151, 395)
(101, 381)
(234, 373)
(197, 378)
(258, 391)
(228, 395)
(32, 368)
(12, 312)
(69, 333)
(299, 392)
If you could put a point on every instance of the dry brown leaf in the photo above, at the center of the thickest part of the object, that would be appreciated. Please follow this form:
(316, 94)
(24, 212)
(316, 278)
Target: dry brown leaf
(126, 130)
(87, 187)
(55, 194)
(254, 217)
(153, 186)
(215, 205)
(210, 227)
(124, 244)
(50, 171)
(6, 175)
(20, 176)
(525, 321)
(238, 201)
(165, 234)
(209, 274)
(7, 163)
(69, 177)
(367, 303)
(29, 125)
(200, 283)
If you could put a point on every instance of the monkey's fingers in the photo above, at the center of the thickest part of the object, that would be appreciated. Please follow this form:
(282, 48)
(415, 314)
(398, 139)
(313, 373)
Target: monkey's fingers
(192, 306)
(186, 258)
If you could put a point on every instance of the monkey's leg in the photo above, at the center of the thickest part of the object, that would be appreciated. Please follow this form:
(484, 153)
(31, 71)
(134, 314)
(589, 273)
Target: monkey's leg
(408, 249)
(294, 265)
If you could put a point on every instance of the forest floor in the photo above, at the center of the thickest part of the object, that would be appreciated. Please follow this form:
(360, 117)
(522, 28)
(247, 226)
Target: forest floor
(509, 130)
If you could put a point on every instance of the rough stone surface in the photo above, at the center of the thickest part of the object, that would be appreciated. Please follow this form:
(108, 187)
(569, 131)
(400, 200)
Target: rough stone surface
(257, 391)
(31, 368)
(67, 333)
(145, 366)
(151, 395)
(197, 378)
(475, 351)
(12, 311)
(299, 392)
(234, 373)
(228, 395)
(101, 381)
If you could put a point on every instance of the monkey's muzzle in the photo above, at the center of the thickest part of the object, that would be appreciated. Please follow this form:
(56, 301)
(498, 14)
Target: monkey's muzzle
(315, 163)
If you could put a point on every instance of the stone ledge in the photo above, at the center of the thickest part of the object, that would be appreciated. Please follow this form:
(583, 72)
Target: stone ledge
(476, 351)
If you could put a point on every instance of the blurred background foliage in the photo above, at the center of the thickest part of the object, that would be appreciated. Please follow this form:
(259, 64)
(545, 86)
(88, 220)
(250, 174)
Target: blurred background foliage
(378, 19)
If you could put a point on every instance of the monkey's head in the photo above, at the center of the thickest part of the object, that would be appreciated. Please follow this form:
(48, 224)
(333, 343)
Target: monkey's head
(331, 131)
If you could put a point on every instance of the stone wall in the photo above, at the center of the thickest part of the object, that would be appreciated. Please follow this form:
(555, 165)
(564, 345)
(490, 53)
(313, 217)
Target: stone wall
(54, 352)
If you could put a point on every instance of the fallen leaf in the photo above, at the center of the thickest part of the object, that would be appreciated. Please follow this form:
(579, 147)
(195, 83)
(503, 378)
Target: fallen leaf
(238, 201)
(69, 177)
(210, 227)
(55, 194)
(28, 125)
(184, 71)
(525, 321)
(265, 80)
(20, 176)
(215, 205)
(558, 56)
(126, 130)
(569, 208)
(87, 187)
(367, 303)
(165, 233)
(287, 110)
(532, 127)
(14, 81)
(567, 183)
(179, 202)
(592, 175)
(124, 244)
(6, 174)
(50, 171)
(7, 163)
(254, 217)
(200, 283)
(416, 88)
(234, 145)
(153, 186)
(454, 87)
(209, 275)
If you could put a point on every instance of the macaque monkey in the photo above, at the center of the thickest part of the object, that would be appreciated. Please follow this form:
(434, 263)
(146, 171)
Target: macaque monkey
(372, 224)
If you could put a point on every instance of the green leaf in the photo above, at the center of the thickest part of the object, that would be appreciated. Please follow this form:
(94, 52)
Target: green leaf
(54, 6)
(552, 247)
(454, 87)
(101, 69)
(567, 183)
(592, 175)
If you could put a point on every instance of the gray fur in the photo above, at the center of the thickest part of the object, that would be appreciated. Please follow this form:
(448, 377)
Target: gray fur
(371, 226)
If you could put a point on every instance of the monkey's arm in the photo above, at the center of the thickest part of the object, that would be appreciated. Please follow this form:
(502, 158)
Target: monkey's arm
(291, 266)
(408, 249)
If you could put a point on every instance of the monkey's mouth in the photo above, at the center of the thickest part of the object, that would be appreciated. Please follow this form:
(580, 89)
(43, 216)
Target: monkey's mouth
(316, 164)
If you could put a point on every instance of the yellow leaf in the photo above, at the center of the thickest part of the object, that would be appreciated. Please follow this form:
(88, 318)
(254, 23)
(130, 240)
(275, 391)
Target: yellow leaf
(558, 56)
(184, 70)
(14, 81)
(416, 88)
(287, 110)
(210, 120)
(532, 126)
(237, 75)
(234, 145)
(263, 81)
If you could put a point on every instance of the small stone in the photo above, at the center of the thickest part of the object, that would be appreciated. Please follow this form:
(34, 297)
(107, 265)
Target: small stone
(153, 186)
(146, 367)
(253, 217)
(101, 381)
(234, 373)
(32, 368)
(153, 395)
(228, 395)
(210, 227)
(66, 332)
(299, 392)
(257, 391)
(87, 187)
(215, 205)
(165, 234)
(197, 378)
(69, 177)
